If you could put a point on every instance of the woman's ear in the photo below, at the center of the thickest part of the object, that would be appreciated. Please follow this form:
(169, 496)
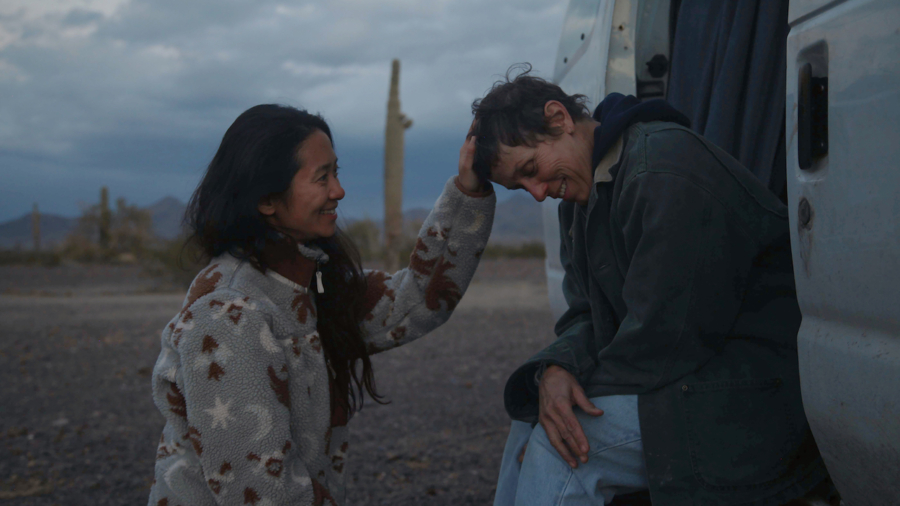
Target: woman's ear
(558, 119)
(266, 205)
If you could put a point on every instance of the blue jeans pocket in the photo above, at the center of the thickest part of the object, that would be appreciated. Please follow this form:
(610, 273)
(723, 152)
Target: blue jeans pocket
(740, 432)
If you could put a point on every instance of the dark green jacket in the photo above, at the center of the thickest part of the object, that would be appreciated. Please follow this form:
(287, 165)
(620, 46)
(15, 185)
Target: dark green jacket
(680, 287)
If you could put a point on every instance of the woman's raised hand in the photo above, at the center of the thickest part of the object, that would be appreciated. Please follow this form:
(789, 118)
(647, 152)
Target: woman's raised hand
(467, 178)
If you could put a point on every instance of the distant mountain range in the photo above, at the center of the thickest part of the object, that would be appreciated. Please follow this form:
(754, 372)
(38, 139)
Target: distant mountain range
(17, 233)
(516, 220)
(165, 213)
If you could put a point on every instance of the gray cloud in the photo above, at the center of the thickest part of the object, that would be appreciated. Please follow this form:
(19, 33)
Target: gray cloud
(139, 92)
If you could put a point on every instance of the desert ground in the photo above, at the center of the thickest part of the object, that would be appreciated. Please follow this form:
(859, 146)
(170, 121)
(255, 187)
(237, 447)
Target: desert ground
(78, 426)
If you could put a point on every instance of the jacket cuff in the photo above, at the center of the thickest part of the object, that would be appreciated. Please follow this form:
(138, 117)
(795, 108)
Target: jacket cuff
(544, 364)
(521, 394)
(481, 194)
(520, 397)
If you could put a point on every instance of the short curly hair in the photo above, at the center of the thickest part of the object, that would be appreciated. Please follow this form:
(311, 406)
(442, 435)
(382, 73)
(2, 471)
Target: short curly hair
(512, 114)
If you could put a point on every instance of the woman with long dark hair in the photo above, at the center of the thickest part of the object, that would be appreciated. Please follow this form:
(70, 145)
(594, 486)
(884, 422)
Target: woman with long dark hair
(261, 369)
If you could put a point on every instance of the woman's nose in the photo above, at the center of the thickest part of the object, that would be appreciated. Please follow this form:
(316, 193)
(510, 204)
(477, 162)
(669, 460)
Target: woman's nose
(537, 190)
(337, 191)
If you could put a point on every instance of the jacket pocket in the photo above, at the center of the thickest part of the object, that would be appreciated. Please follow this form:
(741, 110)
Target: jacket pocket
(740, 432)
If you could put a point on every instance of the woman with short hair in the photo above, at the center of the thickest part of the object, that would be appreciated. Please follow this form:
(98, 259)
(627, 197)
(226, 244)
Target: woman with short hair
(258, 373)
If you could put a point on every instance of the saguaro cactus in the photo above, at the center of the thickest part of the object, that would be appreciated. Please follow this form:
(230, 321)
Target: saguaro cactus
(397, 123)
(105, 218)
(36, 227)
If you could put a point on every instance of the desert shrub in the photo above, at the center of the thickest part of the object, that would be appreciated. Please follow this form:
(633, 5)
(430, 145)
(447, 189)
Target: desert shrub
(129, 236)
(20, 257)
(366, 235)
(131, 230)
(80, 248)
(178, 259)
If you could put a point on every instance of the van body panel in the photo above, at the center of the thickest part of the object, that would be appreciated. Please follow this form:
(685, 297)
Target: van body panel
(620, 59)
(802, 8)
(845, 238)
(580, 34)
(586, 75)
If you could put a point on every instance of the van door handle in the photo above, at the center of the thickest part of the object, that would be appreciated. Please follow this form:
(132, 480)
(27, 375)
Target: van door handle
(812, 117)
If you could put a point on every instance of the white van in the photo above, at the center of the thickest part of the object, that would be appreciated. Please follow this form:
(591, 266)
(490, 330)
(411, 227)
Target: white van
(841, 148)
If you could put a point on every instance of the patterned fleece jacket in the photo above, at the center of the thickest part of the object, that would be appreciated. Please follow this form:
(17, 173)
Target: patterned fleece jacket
(243, 383)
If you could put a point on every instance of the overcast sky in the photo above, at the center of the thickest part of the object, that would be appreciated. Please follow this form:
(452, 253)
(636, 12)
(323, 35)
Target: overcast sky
(136, 94)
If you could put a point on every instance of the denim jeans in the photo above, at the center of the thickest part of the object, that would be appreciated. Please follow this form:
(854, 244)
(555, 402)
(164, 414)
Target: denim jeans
(615, 460)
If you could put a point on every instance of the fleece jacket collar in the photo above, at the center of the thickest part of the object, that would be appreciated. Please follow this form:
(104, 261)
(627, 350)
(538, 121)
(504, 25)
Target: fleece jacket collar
(295, 261)
(617, 112)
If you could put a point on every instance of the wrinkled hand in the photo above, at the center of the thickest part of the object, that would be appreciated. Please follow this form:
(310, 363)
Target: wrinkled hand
(467, 178)
(558, 392)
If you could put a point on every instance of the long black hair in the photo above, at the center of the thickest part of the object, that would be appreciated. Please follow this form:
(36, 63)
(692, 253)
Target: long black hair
(258, 158)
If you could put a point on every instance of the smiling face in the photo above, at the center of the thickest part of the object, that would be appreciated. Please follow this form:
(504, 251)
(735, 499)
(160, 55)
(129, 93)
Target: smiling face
(556, 167)
(308, 209)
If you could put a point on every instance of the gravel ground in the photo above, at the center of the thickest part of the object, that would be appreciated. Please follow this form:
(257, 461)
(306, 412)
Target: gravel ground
(72, 279)
(78, 426)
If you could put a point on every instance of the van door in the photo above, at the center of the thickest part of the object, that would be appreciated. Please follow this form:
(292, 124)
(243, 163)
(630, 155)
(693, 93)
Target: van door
(843, 138)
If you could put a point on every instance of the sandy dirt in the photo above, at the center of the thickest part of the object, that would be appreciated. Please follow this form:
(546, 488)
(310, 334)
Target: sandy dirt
(78, 426)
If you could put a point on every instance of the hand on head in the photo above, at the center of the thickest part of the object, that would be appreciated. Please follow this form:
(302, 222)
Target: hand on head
(467, 177)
